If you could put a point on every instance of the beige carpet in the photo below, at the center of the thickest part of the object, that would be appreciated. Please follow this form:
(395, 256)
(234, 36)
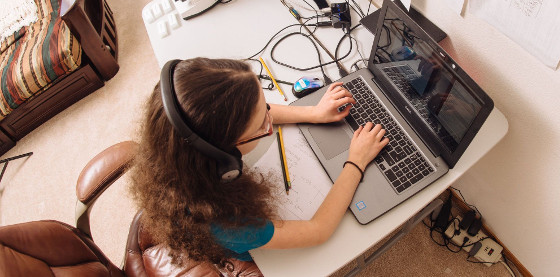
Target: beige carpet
(43, 185)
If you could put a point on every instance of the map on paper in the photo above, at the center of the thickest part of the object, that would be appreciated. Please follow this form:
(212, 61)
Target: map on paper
(533, 24)
(310, 183)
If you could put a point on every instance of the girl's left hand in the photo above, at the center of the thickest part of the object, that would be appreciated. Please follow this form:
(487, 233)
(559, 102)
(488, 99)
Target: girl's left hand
(327, 109)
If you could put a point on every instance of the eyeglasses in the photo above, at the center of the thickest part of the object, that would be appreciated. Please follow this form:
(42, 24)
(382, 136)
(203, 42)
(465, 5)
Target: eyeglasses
(264, 131)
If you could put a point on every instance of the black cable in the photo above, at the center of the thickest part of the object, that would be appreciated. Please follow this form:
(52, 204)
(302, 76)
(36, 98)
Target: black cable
(271, 85)
(316, 12)
(336, 60)
(359, 8)
(362, 59)
(357, 49)
(388, 37)
(318, 54)
(297, 68)
(405, 35)
(356, 8)
(355, 64)
(471, 206)
(262, 76)
(317, 25)
(294, 33)
(465, 239)
(270, 40)
(445, 239)
(447, 242)
(308, 36)
(347, 34)
(381, 59)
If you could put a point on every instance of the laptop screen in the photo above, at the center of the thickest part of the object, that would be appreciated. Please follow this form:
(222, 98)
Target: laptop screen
(425, 77)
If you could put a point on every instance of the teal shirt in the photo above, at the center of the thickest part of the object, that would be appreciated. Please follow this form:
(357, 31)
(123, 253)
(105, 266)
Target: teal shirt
(241, 240)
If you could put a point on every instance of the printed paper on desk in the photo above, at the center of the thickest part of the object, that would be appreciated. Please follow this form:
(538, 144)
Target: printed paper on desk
(310, 183)
(533, 24)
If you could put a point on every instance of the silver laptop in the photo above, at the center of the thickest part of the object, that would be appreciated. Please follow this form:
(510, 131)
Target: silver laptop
(429, 106)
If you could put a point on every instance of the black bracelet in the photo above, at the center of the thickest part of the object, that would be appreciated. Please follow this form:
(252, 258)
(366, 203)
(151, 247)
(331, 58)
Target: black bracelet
(359, 169)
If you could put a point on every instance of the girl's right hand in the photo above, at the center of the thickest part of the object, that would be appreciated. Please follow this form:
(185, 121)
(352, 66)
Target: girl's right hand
(366, 143)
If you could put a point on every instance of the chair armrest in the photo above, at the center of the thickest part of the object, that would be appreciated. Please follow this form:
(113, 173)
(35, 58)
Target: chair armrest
(91, 21)
(102, 171)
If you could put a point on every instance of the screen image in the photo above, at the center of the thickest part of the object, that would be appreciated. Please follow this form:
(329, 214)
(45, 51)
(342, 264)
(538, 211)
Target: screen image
(425, 81)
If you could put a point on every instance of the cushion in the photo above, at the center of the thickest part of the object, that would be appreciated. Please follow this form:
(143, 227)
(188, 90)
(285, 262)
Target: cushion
(9, 40)
(36, 57)
(50, 248)
(145, 257)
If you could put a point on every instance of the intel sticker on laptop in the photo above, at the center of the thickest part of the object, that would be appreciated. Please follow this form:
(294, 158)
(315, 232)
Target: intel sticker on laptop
(361, 205)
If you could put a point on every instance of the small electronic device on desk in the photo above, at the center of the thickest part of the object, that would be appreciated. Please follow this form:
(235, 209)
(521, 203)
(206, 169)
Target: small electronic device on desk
(340, 15)
(190, 8)
(166, 14)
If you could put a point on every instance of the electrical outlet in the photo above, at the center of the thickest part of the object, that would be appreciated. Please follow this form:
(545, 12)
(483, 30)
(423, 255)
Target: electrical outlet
(489, 252)
(457, 235)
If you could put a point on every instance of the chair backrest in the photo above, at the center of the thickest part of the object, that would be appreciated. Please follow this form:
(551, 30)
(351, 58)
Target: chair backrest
(146, 257)
(44, 248)
(41, 248)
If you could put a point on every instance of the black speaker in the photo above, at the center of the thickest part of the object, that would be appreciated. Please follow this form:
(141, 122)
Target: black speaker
(229, 165)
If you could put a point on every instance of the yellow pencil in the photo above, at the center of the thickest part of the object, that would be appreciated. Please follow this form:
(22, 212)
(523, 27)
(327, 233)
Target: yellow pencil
(273, 80)
(283, 152)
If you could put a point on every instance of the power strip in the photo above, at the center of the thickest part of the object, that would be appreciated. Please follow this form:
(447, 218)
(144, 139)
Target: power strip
(490, 251)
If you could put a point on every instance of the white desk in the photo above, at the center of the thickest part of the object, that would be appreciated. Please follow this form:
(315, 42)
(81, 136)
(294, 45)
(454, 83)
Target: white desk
(241, 28)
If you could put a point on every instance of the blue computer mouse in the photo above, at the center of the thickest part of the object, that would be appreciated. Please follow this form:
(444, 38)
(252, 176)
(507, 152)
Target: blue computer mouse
(306, 85)
(402, 53)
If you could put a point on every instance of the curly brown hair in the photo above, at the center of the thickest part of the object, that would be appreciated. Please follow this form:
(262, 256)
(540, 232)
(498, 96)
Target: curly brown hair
(178, 187)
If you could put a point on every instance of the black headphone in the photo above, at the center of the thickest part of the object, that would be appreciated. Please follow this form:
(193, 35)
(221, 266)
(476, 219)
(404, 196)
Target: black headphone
(229, 165)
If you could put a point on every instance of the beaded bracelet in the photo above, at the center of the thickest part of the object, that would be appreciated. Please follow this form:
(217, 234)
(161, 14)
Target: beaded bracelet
(359, 169)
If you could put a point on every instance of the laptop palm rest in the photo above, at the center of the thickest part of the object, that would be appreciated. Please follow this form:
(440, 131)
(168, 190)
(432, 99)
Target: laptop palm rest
(332, 139)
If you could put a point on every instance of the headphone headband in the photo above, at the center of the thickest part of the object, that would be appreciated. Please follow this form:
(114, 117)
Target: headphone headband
(229, 166)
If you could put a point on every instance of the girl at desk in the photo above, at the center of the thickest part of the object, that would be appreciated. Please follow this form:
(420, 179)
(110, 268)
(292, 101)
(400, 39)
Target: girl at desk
(186, 203)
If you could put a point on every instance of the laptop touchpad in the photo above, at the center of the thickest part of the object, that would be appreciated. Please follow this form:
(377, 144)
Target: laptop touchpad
(332, 139)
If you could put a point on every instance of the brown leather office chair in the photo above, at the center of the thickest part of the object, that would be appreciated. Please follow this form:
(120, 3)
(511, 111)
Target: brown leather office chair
(52, 248)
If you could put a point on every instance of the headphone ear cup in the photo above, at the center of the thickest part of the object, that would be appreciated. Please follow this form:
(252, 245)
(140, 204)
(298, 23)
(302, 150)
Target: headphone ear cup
(230, 166)
(233, 168)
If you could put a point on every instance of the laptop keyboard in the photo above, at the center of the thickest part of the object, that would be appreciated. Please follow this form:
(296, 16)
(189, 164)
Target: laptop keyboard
(400, 161)
(402, 75)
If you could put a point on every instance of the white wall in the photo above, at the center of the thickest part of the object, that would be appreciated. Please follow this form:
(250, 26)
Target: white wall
(517, 185)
